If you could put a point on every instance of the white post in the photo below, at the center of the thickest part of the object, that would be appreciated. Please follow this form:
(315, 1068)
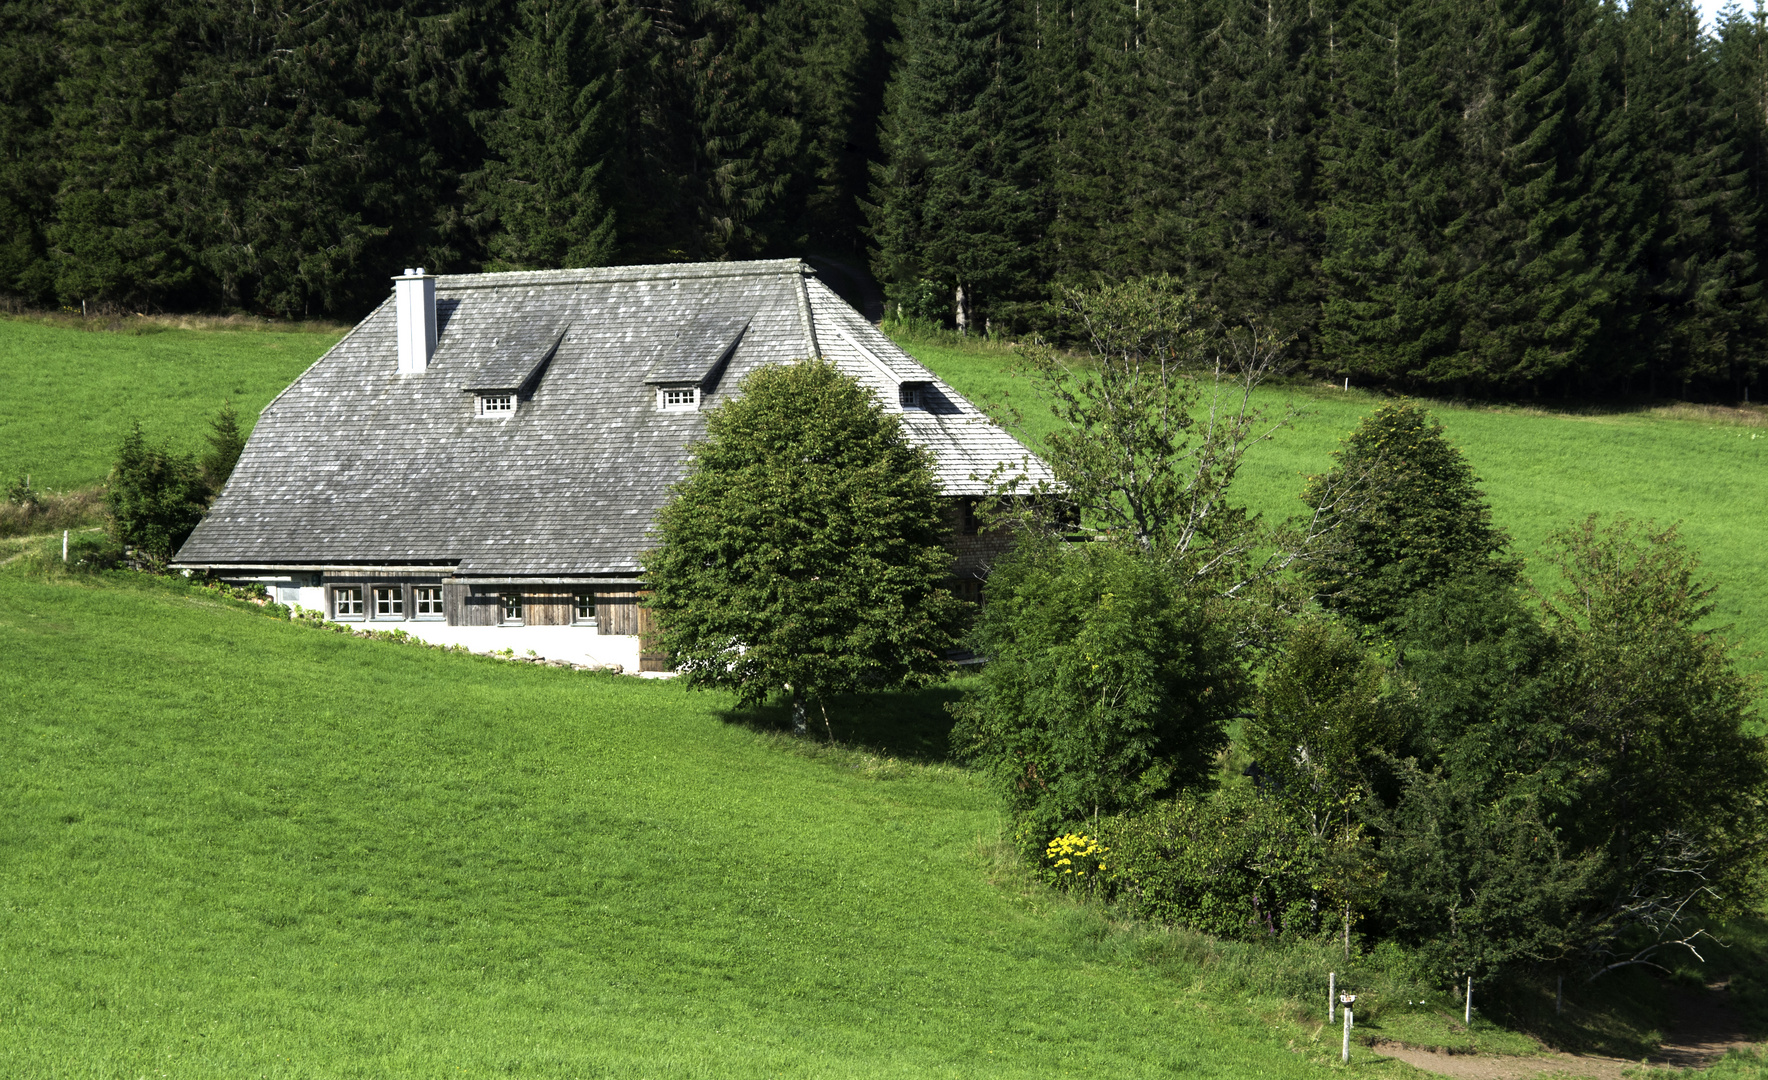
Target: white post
(1468, 1015)
(1347, 1034)
(64, 546)
(1331, 995)
(1347, 382)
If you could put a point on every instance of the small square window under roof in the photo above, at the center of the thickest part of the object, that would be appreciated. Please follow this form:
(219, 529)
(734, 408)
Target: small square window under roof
(514, 361)
(698, 352)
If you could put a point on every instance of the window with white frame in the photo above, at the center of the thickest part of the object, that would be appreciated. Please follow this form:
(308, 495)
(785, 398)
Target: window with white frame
(512, 609)
(497, 404)
(913, 395)
(427, 602)
(389, 602)
(585, 607)
(678, 398)
(347, 602)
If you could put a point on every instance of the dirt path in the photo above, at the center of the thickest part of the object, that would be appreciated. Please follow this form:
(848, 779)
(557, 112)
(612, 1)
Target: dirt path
(1706, 1027)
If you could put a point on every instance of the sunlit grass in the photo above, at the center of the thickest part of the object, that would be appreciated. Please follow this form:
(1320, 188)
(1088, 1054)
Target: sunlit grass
(71, 394)
(234, 846)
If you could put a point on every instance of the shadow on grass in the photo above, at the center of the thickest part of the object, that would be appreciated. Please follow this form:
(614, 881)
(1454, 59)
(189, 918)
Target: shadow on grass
(910, 725)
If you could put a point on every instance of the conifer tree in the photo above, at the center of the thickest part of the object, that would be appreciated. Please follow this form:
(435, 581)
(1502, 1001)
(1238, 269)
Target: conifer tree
(115, 233)
(955, 202)
(1697, 275)
(1390, 159)
(542, 196)
(1531, 298)
(825, 63)
(1255, 254)
(30, 63)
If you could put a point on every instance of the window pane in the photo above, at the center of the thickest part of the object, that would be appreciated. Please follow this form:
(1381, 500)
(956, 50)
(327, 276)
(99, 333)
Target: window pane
(586, 605)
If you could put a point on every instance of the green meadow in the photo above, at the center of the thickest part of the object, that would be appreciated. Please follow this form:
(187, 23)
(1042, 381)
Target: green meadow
(237, 846)
(72, 393)
(1542, 470)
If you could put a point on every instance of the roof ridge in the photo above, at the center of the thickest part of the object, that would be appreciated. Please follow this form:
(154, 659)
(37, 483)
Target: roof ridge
(643, 272)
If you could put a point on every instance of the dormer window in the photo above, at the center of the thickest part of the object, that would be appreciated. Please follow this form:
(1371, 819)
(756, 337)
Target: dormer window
(496, 404)
(678, 398)
(912, 395)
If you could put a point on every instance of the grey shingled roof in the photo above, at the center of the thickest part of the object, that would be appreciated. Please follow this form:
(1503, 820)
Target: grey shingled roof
(355, 464)
(514, 359)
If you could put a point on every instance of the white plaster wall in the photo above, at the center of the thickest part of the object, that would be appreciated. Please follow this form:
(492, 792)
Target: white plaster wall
(577, 644)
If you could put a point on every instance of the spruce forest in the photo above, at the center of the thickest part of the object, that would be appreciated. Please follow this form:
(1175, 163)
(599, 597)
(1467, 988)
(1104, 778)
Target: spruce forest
(1506, 198)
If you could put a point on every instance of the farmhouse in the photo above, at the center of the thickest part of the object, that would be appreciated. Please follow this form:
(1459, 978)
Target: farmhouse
(480, 460)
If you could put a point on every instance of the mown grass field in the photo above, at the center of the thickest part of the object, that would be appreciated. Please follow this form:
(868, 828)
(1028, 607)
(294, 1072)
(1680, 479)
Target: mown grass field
(1543, 471)
(234, 846)
(71, 394)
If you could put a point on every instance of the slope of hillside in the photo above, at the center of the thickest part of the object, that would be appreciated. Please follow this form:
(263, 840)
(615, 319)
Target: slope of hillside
(71, 394)
(234, 846)
(1542, 471)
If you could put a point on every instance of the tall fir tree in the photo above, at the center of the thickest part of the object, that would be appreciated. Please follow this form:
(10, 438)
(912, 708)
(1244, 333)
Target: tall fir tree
(30, 64)
(1531, 298)
(956, 201)
(541, 198)
(115, 237)
(1698, 284)
(1390, 159)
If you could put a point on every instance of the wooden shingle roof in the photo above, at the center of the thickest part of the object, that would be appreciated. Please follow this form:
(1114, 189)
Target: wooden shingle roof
(355, 464)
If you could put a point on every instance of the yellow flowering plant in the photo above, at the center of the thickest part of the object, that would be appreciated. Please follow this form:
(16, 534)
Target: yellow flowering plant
(1075, 861)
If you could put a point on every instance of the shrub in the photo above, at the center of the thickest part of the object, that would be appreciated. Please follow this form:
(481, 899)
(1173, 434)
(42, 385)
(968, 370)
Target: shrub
(1107, 687)
(1236, 865)
(93, 552)
(156, 495)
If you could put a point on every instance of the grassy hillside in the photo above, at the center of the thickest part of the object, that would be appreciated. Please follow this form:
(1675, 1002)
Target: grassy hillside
(234, 846)
(1542, 471)
(72, 393)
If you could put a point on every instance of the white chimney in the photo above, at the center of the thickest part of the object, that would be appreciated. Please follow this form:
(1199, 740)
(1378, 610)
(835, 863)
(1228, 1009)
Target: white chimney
(414, 293)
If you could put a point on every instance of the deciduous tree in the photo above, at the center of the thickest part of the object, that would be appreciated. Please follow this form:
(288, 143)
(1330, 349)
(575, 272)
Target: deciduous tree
(804, 552)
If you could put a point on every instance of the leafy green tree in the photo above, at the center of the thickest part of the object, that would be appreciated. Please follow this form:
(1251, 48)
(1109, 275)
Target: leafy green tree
(1672, 785)
(1583, 788)
(1323, 715)
(804, 551)
(226, 443)
(1108, 684)
(156, 495)
(1476, 871)
(1424, 522)
(1149, 436)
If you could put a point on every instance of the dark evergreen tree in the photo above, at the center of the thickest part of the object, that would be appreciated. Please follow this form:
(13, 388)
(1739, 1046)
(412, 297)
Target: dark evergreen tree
(1390, 163)
(541, 199)
(955, 203)
(116, 236)
(1531, 298)
(30, 65)
(1699, 295)
(1254, 248)
(826, 63)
